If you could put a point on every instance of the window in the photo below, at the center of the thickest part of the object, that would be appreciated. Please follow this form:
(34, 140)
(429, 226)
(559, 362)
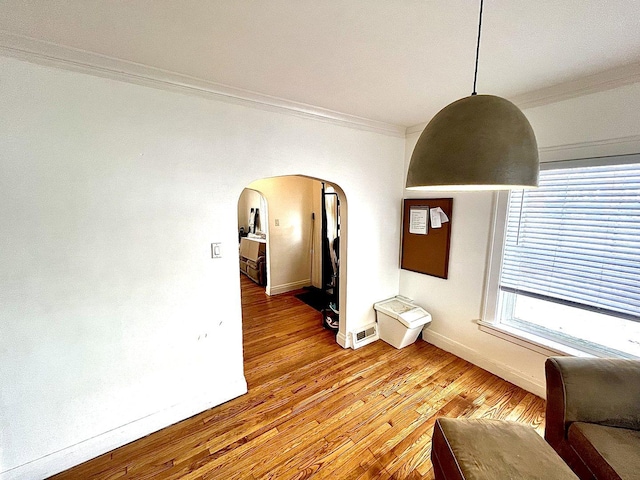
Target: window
(570, 257)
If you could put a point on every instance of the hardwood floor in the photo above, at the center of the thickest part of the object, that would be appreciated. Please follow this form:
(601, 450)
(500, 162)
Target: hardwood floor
(317, 410)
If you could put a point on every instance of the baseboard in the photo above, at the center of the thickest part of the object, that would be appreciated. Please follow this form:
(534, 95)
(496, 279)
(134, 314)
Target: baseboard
(287, 287)
(500, 369)
(81, 452)
(343, 340)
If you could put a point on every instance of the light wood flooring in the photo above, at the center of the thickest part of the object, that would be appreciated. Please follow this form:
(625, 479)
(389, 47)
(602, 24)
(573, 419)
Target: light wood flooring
(315, 410)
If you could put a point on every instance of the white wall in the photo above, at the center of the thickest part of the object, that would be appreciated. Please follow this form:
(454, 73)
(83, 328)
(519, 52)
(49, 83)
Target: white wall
(290, 204)
(600, 124)
(115, 320)
(604, 123)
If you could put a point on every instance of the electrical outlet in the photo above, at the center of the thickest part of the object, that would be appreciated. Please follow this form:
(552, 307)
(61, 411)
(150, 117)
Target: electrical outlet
(277, 221)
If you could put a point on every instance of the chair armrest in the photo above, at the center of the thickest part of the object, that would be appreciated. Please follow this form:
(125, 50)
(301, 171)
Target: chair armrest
(594, 390)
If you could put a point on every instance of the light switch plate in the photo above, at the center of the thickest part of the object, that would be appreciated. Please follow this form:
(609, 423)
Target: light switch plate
(216, 250)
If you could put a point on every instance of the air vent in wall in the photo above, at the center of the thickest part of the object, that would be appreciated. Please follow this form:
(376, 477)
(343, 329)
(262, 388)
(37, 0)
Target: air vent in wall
(365, 336)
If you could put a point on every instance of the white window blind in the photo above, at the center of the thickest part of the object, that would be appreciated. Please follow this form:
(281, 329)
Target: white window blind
(576, 239)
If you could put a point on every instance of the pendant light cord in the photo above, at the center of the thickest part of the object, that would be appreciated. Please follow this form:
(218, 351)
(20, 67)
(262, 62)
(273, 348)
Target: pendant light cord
(475, 73)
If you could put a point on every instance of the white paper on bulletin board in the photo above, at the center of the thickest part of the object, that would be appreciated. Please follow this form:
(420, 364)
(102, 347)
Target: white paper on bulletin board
(419, 220)
(438, 217)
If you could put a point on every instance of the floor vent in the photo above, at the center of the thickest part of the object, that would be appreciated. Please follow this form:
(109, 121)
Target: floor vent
(364, 336)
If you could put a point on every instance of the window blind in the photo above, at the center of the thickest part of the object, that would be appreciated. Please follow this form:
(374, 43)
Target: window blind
(576, 239)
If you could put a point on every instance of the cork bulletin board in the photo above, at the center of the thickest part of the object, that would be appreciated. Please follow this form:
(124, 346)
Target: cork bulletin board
(426, 235)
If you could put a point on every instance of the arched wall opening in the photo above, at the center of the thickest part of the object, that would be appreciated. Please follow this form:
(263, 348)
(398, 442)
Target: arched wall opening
(292, 229)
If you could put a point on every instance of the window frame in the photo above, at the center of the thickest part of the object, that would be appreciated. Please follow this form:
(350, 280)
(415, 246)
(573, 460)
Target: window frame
(490, 321)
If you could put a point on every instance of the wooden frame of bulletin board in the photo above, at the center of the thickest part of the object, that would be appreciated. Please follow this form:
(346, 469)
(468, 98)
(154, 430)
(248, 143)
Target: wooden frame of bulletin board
(425, 246)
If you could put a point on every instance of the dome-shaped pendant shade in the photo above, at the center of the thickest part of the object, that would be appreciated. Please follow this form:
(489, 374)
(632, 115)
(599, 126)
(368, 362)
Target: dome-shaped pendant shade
(481, 142)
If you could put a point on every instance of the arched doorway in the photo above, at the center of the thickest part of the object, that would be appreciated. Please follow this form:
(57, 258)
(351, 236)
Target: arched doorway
(304, 241)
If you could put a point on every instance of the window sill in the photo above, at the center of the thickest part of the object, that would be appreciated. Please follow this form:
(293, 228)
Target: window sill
(530, 341)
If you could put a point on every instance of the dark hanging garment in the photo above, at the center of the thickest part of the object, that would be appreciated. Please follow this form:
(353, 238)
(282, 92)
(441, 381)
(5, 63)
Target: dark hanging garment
(256, 221)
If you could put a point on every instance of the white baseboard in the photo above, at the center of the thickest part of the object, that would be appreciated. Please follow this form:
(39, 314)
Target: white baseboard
(81, 452)
(287, 287)
(343, 340)
(500, 369)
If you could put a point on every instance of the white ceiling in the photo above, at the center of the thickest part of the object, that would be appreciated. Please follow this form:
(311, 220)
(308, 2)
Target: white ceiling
(394, 61)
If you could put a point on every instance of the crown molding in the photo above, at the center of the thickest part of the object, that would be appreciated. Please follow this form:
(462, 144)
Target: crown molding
(597, 82)
(594, 83)
(50, 54)
(416, 128)
(58, 56)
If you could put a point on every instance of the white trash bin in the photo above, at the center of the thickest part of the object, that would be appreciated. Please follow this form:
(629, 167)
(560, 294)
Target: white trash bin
(400, 321)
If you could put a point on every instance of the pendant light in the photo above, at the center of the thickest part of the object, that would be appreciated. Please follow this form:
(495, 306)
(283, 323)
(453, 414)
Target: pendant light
(480, 142)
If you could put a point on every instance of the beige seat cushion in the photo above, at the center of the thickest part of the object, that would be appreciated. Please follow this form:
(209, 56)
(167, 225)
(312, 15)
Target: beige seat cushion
(609, 452)
(485, 449)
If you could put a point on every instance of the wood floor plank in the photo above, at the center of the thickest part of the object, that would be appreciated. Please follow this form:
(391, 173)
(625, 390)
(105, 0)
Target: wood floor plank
(315, 410)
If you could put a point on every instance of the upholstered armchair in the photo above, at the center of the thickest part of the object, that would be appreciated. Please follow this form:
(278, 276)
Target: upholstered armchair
(593, 415)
